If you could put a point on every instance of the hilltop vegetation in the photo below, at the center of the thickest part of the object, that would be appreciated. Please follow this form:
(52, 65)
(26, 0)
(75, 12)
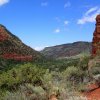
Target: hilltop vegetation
(68, 50)
(11, 47)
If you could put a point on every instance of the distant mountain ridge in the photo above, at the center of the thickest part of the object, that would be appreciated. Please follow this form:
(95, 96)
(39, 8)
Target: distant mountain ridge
(67, 50)
(11, 47)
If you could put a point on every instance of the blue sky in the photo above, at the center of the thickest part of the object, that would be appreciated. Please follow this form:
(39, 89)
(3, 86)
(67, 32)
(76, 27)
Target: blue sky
(41, 23)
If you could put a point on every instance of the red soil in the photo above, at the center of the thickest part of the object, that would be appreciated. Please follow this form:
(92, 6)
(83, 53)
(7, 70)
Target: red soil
(94, 93)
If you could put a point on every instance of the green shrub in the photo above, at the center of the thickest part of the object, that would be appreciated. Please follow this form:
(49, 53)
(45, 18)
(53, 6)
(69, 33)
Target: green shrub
(27, 92)
(26, 73)
(73, 74)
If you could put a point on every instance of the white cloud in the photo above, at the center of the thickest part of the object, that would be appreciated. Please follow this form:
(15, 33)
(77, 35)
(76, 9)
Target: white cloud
(57, 30)
(44, 4)
(91, 10)
(66, 22)
(68, 4)
(89, 16)
(2, 2)
(39, 48)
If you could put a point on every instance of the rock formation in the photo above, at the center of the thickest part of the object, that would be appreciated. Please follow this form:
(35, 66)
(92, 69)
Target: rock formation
(93, 65)
(96, 38)
(11, 47)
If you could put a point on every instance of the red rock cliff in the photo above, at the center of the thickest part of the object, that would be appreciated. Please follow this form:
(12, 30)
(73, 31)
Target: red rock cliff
(11, 47)
(96, 38)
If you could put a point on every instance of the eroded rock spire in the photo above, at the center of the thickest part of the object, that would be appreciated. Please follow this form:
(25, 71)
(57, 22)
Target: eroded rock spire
(96, 38)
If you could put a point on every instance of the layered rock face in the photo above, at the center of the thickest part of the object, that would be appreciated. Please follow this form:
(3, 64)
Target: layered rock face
(96, 38)
(11, 47)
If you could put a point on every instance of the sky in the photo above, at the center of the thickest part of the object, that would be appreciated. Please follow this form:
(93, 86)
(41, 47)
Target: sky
(43, 23)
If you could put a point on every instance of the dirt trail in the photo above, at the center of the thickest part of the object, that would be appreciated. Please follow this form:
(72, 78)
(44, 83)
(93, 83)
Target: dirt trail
(94, 93)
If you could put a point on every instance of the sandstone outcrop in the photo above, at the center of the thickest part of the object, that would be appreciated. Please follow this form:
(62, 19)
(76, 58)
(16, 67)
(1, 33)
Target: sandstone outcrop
(96, 38)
